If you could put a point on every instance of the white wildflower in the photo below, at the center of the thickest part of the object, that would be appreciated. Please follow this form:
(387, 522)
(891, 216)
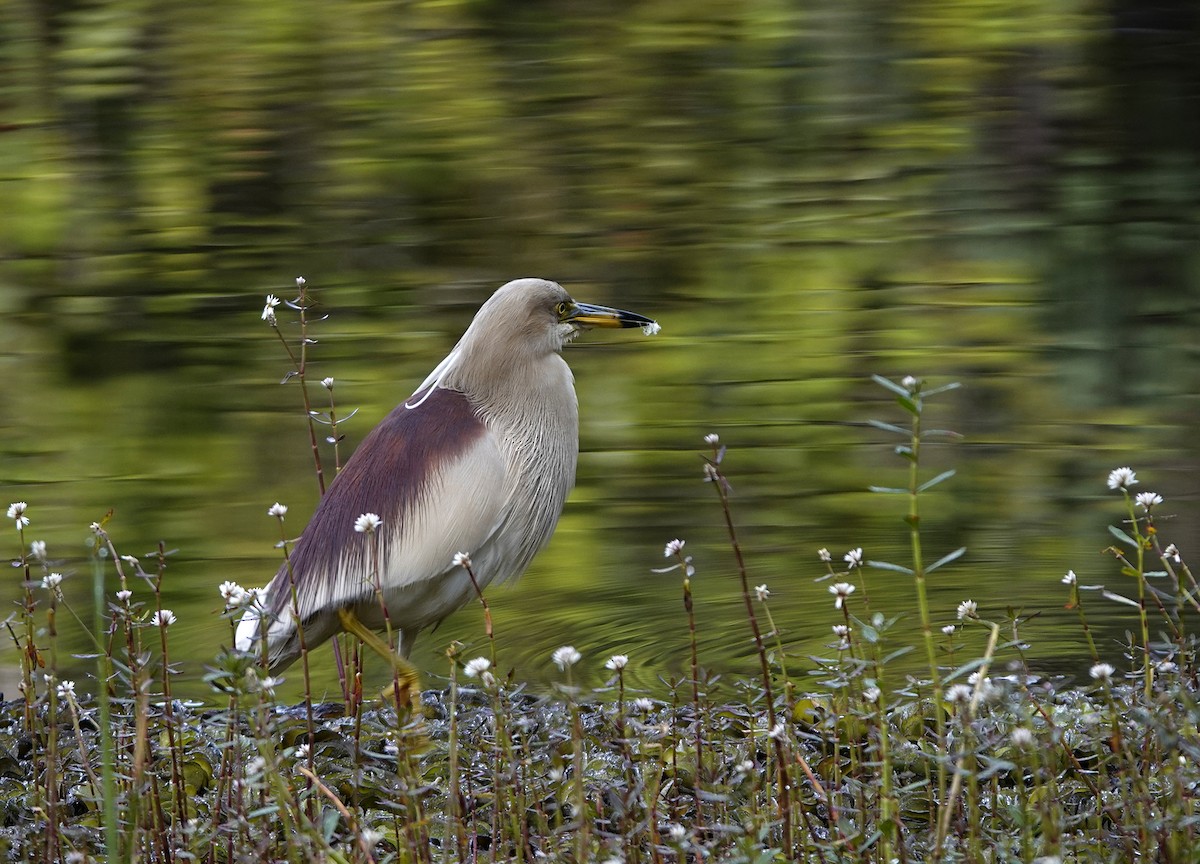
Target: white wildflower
(762, 593)
(302, 750)
(824, 555)
(327, 383)
(1121, 478)
(653, 328)
(712, 438)
(643, 705)
(124, 594)
(277, 510)
(371, 837)
(1101, 672)
(461, 559)
(674, 547)
(52, 581)
(475, 668)
(959, 693)
(949, 629)
(984, 686)
(1172, 552)
(233, 594)
(66, 690)
(776, 731)
(37, 549)
(1146, 500)
(617, 662)
(872, 694)
(909, 383)
(677, 832)
(565, 656)
(854, 558)
(164, 618)
(841, 590)
(1022, 737)
(967, 609)
(1070, 578)
(268, 313)
(16, 512)
(841, 631)
(367, 523)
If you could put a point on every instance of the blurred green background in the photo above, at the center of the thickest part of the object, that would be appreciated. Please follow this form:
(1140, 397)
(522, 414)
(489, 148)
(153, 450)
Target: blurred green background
(802, 193)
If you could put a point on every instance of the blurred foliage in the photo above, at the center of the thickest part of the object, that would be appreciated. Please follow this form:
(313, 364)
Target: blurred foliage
(1004, 193)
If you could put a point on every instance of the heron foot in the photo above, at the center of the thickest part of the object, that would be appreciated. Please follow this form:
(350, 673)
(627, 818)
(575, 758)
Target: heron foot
(406, 684)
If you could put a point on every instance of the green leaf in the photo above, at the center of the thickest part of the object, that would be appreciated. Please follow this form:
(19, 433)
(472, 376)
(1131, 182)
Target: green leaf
(899, 652)
(1108, 595)
(941, 433)
(887, 490)
(946, 559)
(888, 384)
(890, 427)
(929, 484)
(1122, 536)
(885, 565)
(953, 385)
(965, 669)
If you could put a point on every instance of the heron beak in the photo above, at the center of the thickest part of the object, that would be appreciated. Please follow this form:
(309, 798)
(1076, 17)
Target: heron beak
(587, 315)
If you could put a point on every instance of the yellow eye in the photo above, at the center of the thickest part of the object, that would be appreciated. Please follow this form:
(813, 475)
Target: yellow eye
(562, 309)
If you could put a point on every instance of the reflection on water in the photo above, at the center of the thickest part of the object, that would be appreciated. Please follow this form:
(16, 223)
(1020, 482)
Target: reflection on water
(802, 198)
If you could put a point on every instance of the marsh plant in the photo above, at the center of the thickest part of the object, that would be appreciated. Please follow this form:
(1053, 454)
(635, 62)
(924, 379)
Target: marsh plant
(837, 757)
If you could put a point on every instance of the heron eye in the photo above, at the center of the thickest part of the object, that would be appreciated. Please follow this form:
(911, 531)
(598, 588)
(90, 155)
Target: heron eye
(562, 309)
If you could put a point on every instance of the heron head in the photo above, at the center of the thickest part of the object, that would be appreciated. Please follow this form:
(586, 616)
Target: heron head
(537, 316)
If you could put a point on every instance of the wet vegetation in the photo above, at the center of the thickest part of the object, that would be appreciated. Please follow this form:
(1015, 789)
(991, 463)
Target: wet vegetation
(834, 757)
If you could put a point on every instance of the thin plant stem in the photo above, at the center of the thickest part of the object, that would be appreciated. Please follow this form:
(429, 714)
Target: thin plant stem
(713, 473)
(698, 716)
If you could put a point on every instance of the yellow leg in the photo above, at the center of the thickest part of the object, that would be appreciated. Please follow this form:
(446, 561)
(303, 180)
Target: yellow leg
(406, 685)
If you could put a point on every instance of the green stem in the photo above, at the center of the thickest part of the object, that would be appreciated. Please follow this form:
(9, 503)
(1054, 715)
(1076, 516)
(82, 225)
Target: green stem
(914, 533)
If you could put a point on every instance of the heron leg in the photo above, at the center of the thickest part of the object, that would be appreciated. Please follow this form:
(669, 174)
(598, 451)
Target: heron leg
(406, 685)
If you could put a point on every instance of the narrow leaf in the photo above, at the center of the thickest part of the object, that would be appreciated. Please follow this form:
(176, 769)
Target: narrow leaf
(908, 404)
(1119, 599)
(899, 652)
(953, 385)
(929, 484)
(1122, 536)
(887, 565)
(941, 433)
(890, 385)
(887, 490)
(953, 556)
(966, 669)
(890, 427)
